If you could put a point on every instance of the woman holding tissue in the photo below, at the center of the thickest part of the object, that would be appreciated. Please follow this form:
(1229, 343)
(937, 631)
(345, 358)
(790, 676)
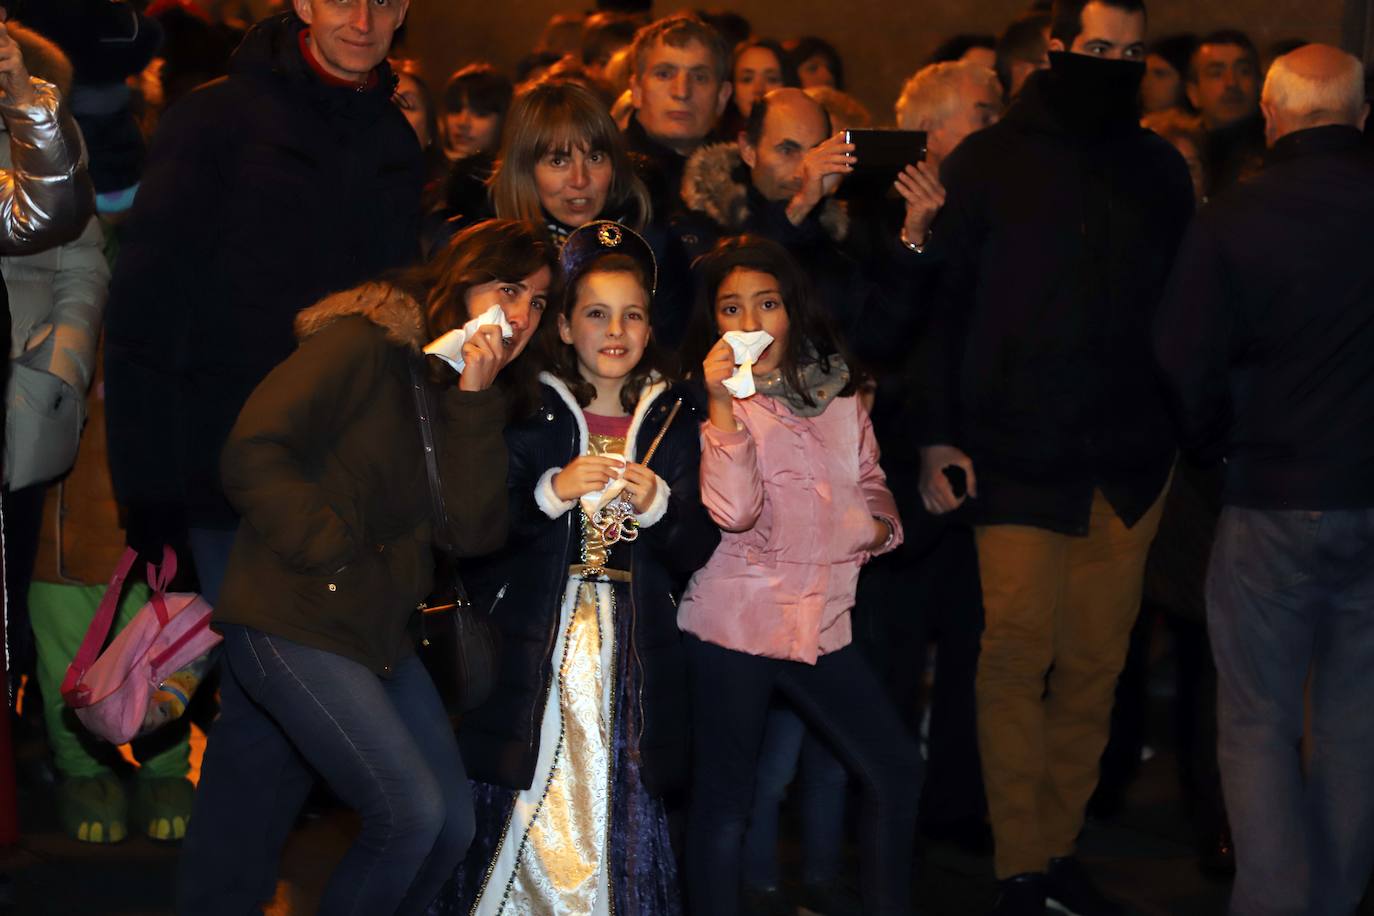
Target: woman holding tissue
(789, 471)
(336, 550)
(588, 723)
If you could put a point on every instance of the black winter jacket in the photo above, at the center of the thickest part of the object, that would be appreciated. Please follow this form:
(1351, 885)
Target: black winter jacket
(265, 191)
(1267, 334)
(1057, 243)
(500, 740)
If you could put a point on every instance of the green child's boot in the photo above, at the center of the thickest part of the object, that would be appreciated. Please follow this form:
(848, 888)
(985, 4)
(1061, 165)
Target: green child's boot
(162, 806)
(93, 809)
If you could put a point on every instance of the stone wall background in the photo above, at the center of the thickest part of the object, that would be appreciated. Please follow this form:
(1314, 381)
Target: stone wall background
(882, 41)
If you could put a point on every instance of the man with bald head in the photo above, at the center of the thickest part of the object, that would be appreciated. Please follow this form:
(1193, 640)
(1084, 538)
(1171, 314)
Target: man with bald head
(1265, 340)
(794, 165)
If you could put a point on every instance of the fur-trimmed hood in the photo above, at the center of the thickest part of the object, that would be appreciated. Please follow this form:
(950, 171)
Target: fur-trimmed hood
(711, 184)
(384, 305)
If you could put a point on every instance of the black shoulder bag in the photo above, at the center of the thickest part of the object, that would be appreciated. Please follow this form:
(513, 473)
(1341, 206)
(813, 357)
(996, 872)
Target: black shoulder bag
(458, 644)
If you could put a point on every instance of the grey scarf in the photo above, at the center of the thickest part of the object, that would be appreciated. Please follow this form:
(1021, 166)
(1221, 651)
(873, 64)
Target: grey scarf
(821, 384)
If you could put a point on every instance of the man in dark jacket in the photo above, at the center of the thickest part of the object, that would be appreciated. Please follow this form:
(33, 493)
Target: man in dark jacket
(291, 178)
(777, 181)
(679, 85)
(1039, 395)
(1223, 85)
(1266, 338)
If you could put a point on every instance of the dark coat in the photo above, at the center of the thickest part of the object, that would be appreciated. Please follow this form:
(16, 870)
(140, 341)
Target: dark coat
(659, 167)
(500, 740)
(326, 466)
(1267, 335)
(865, 290)
(265, 191)
(1057, 242)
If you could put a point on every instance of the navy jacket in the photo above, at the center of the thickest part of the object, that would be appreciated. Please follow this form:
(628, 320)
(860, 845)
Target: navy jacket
(500, 739)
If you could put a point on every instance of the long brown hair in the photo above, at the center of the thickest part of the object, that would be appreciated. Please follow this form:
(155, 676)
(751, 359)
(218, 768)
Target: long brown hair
(561, 358)
(811, 334)
(560, 115)
(496, 249)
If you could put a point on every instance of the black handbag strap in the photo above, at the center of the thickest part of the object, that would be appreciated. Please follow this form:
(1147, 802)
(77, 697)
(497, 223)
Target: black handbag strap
(423, 410)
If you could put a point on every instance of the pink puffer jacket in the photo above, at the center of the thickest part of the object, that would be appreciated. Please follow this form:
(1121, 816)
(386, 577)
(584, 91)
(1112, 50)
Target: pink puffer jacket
(796, 498)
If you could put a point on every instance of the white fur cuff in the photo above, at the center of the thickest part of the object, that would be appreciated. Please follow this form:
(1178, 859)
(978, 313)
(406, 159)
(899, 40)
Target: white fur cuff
(658, 508)
(547, 499)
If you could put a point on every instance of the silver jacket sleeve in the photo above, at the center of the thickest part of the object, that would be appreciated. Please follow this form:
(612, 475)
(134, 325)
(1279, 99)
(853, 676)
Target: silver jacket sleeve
(47, 197)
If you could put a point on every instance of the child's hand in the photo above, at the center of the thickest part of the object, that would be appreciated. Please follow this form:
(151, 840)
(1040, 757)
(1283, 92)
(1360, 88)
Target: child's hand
(718, 366)
(585, 474)
(641, 486)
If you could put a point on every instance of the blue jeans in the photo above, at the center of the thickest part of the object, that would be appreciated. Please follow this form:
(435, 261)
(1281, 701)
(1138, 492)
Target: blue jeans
(790, 749)
(385, 747)
(1290, 604)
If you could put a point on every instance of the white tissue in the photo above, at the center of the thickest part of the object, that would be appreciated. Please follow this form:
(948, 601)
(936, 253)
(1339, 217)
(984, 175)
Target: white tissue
(449, 347)
(748, 347)
(597, 500)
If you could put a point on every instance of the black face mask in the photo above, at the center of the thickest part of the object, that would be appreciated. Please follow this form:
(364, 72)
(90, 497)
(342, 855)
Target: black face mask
(1094, 93)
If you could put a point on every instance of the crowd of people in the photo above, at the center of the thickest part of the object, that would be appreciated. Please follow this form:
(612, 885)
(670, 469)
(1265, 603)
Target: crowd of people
(777, 473)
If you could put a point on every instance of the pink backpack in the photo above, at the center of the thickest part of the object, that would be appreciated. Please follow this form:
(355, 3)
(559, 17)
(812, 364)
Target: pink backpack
(148, 673)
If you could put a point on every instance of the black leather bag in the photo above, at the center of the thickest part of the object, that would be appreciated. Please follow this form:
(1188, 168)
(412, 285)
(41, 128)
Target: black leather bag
(459, 645)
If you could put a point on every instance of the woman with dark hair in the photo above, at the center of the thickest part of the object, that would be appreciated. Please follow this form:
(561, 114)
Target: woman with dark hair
(790, 474)
(476, 99)
(587, 727)
(759, 66)
(816, 62)
(337, 548)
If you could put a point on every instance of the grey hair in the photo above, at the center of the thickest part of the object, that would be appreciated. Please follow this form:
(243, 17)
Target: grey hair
(1339, 98)
(932, 93)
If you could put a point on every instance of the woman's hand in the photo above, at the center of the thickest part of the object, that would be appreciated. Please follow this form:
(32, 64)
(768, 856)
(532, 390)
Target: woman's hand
(484, 355)
(641, 486)
(14, 76)
(585, 474)
(718, 366)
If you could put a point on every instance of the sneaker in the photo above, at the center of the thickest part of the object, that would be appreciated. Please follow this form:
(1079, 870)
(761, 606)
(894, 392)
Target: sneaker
(1068, 889)
(758, 900)
(830, 898)
(1021, 895)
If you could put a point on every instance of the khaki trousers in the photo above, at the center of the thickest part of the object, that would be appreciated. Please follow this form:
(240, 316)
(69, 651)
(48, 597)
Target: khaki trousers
(1059, 616)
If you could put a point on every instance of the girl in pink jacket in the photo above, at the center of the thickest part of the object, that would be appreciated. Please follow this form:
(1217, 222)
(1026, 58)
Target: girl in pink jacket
(791, 476)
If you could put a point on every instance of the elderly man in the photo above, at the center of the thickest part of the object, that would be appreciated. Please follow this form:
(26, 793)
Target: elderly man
(1040, 408)
(949, 101)
(293, 177)
(1265, 340)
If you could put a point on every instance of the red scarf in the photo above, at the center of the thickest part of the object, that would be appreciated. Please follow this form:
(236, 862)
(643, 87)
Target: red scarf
(325, 76)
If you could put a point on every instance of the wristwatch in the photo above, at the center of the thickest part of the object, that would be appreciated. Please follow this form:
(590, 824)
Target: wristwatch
(919, 249)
